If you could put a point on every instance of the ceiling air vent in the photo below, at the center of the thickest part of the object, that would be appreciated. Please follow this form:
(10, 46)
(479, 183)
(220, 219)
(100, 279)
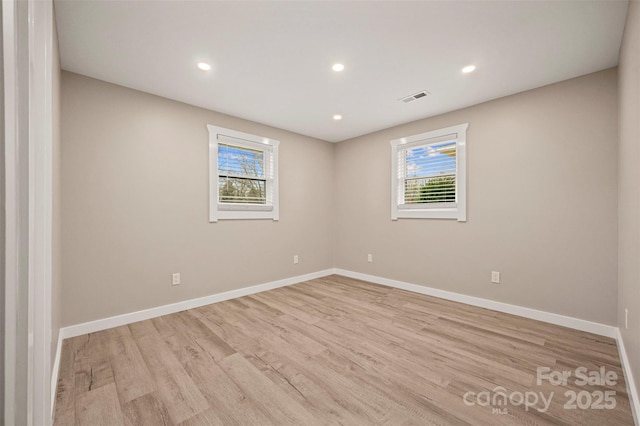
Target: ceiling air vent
(415, 96)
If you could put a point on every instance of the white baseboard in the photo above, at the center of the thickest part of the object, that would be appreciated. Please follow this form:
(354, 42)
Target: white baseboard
(105, 323)
(632, 390)
(575, 323)
(115, 321)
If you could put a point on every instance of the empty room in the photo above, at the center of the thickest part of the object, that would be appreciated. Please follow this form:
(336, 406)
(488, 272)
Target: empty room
(320, 212)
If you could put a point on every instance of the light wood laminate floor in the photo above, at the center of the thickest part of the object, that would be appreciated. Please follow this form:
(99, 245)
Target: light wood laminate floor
(331, 351)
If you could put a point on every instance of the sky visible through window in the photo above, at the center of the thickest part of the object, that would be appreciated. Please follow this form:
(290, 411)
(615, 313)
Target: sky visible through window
(237, 161)
(430, 174)
(432, 160)
(241, 175)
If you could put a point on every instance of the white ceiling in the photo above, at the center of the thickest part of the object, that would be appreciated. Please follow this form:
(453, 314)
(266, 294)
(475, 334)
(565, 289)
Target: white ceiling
(272, 60)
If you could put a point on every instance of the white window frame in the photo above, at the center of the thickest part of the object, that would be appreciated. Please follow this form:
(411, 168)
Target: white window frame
(422, 211)
(269, 146)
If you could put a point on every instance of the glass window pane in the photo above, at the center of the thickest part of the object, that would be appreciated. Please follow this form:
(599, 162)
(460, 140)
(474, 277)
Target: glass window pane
(439, 189)
(431, 160)
(237, 161)
(431, 174)
(241, 190)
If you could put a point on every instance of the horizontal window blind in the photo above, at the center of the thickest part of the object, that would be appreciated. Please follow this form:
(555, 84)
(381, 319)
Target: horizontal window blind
(243, 175)
(427, 174)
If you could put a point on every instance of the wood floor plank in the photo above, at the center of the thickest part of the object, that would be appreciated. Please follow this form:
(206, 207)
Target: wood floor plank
(186, 323)
(206, 418)
(131, 374)
(146, 410)
(227, 400)
(312, 391)
(99, 407)
(330, 351)
(65, 408)
(359, 392)
(180, 395)
(273, 301)
(280, 408)
(92, 367)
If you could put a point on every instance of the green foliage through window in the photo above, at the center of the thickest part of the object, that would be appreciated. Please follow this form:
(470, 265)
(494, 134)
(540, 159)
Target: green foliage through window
(241, 177)
(439, 189)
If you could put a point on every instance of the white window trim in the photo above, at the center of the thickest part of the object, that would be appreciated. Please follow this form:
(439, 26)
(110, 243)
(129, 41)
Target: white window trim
(458, 212)
(219, 211)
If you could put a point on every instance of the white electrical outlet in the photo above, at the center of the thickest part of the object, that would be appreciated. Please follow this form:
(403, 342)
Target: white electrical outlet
(369, 258)
(626, 318)
(495, 277)
(296, 260)
(175, 278)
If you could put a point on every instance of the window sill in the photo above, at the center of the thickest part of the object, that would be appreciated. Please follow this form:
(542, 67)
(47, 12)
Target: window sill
(429, 214)
(244, 214)
(244, 207)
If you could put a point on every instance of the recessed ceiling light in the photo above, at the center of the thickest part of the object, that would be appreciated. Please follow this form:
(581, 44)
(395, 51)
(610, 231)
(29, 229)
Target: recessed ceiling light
(337, 67)
(337, 117)
(468, 69)
(204, 66)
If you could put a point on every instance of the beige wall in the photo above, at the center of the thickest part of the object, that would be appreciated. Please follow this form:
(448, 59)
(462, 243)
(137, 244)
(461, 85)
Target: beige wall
(135, 198)
(542, 196)
(629, 188)
(542, 176)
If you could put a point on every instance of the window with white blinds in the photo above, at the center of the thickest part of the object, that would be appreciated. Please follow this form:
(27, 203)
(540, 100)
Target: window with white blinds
(243, 175)
(428, 175)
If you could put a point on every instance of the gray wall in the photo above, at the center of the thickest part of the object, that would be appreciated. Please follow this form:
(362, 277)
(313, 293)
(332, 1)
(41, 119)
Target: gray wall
(542, 196)
(135, 197)
(542, 177)
(629, 189)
